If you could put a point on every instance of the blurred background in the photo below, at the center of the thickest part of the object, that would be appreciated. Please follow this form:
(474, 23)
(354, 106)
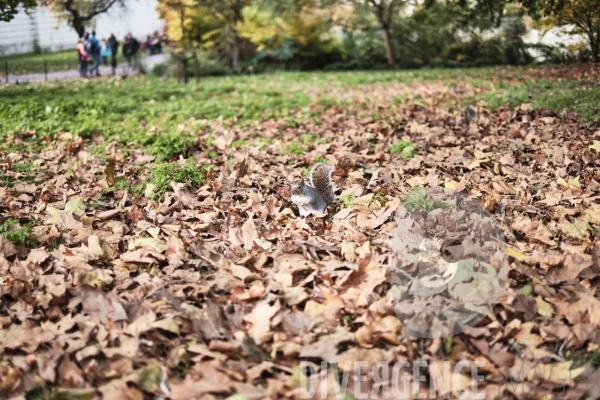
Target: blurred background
(250, 36)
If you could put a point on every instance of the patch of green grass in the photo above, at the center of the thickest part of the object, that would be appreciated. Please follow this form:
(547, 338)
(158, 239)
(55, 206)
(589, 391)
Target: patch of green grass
(405, 149)
(23, 168)
(121, 184)
(239, 144)
(416, 200)
(105, 192)
(55, 244)
(17, 235)
(593, 229)
(26, 169)
(300, 146)
(291, 123)
(380, 197)
(582, 97)
(138, 190)
(163, 174)
(166, 146)
(34, 63)
(39, 392)
(583, 358)
(295, 147)
(264, 142)
(349, 201)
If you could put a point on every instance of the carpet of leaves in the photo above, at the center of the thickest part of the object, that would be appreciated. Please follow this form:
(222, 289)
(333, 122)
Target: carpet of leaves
(221, 289)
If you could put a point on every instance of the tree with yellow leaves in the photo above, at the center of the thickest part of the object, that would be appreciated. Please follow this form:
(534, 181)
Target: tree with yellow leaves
(206, 22)
(285, 32)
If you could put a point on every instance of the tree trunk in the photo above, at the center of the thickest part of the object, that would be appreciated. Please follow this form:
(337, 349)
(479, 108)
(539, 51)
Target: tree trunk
(389, 48)
(78, 26)
(182, 23)
(595, 46)
(235, 52)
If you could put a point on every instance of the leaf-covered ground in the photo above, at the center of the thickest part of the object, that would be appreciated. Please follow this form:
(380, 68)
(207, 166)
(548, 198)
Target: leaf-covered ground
(124, 278)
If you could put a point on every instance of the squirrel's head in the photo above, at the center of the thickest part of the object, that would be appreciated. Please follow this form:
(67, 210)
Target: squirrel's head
(297, 187)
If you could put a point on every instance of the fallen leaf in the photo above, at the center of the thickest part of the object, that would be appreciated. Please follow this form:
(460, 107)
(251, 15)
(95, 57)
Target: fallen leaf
(260, 318)
(99, 304)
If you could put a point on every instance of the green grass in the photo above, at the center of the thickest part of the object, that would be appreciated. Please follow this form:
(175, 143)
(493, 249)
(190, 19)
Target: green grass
(16, 233)
(34, 63)
(404, 148)
(26, 171)
(349, 201)
(583, 97)
(416, 200)
(162, 175)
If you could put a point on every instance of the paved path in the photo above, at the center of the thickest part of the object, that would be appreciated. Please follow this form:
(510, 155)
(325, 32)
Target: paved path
(149, 62)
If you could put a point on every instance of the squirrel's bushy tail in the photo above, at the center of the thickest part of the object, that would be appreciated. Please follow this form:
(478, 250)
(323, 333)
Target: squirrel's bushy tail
(320, 179)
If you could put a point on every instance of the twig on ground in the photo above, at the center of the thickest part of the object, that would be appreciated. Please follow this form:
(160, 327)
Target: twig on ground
(164, 285)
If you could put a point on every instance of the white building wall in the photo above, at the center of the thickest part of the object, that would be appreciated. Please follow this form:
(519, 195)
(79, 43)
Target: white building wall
(39, 30)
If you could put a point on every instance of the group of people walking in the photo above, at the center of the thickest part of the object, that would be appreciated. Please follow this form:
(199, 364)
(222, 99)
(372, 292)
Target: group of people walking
(154, 43)
(91, 50)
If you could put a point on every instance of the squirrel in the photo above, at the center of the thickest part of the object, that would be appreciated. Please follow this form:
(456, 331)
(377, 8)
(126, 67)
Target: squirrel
(314, 199)
(469, 115)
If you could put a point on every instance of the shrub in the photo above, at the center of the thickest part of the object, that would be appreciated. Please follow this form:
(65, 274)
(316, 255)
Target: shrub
(362, 50)
(161, 69)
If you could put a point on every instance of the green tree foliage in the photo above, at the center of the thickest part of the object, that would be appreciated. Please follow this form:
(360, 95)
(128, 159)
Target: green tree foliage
(579, 17)
(309, 34)
(429, 34)
(363, 49)
(10, 8)
(495, 10)
(384, 12)
(446, 34)
(229, 12)
(516, 52)
(582, 17)
(79, 14)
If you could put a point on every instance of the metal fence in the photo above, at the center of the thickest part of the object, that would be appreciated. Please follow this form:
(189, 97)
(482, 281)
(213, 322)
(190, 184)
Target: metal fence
(7, 76)
(182, 65)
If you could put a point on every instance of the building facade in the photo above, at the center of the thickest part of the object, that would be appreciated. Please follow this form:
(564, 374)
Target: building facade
(40, 32)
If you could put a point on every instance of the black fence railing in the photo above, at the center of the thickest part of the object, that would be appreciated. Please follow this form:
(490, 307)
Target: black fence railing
(41, 71)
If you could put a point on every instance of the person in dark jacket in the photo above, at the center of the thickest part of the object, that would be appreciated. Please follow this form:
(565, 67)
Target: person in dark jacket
(113, 43)
(130, 48)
